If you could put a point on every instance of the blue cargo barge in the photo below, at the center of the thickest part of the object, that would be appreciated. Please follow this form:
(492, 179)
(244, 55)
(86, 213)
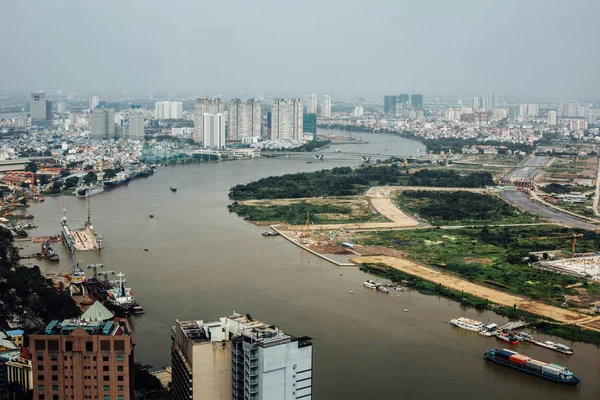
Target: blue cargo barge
(551, 372)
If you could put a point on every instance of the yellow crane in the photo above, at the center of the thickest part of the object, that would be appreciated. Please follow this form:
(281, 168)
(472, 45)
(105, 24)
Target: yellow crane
(305, 227)
(574, 236)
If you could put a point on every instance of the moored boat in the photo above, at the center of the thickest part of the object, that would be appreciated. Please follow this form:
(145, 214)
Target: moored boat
(173, 188)
(523, 363)
(87, 191)
(561, 348)
(468, 324)
(508, 338)
(369, 284)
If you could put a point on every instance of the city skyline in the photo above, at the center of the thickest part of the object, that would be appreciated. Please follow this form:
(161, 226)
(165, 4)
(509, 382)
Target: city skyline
(517, 67)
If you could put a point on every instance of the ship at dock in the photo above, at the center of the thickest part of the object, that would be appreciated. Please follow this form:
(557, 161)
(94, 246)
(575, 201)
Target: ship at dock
(121, 178)
(551, 372)
(115, 294)
(89, 190)
(48, 251)
(83, 239)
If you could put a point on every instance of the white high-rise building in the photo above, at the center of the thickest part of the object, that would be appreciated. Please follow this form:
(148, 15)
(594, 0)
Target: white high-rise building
(359, 110)
(94, 101)
(490, 101)
(244, 119)
(213, 131)
(523, 109)
(551, 118)
(286, 119)
(238, 358)
(168, 109)
(61, 107)
(204, 106)
(476, 104)
(326, 106)
(136, 124)
(311, 105)
(532, 110)
(102, 124)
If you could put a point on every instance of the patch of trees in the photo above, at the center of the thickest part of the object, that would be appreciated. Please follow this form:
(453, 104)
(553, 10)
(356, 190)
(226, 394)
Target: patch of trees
(71, 182)
(557, 188)
(459, 205)
(450, 178)
(294, 214)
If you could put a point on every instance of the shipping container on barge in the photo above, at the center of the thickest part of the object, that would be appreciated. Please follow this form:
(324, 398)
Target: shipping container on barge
(551, 372)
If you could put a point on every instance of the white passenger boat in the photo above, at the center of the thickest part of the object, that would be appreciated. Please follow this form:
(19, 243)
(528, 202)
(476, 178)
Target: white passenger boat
(468, 324)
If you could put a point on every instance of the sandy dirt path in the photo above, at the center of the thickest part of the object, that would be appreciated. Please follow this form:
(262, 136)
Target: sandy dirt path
(452, 282)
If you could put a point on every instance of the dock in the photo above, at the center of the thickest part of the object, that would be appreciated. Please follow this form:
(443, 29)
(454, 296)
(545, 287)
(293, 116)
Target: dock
(512, 326)
(84, 239)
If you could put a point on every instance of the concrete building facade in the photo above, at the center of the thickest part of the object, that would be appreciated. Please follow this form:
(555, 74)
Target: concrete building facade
(168, 109)
(552, 118)
(239, 358)
(311, 104)
(244, 119)
(213, 131)
(286, 119)
(41, 109)
(136, 124)
(326, 106)
(102, 124)
(204, 106)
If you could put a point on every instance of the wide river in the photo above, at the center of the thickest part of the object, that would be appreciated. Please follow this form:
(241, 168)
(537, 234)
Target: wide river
(203, 262)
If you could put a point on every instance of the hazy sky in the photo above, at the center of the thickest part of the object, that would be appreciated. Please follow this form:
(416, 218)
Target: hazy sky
(542, 48)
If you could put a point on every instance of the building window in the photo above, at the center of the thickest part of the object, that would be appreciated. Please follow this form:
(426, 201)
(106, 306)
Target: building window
(105, 345)
(40, 377)
(54, 377)
(54, 387)
(119, 368)
(106, 397)
(53, 345)
(55, 397)
(121, 397)
(40, 387)
(40, 367)
(120, 378)
(54, 367)
(106, 378)
(40, 357)
(119, 358)
(89, 346)
(105, 358)
(68, 345)
(119, 345)
(40, 344)
(105, 368)
(121, 388)
(106, 388)
(41, 397)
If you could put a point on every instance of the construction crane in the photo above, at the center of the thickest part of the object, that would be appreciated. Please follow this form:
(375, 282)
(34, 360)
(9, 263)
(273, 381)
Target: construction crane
(574, 236)
(305, 227)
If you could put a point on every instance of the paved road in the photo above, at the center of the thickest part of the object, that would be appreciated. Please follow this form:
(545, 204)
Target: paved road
(529, 170)
(523, 201)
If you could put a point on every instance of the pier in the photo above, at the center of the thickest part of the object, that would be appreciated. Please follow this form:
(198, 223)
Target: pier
(513, 325)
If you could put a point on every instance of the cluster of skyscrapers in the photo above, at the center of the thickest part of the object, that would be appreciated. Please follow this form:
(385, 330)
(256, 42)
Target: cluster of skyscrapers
(103, 125)
(487, 103)
(168, 109)
(393, 105)
(311, 105)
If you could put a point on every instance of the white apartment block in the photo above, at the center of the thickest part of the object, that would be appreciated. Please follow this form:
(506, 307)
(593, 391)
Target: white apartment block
(326, 106)
(286, 119)
(552, 118)
(204, 106)
(311, 105)
(136, 124)
(244, 119)
(239, 358)
(213, 131)
(168, 109)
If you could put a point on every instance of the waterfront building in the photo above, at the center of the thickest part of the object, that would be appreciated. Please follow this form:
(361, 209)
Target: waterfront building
(359, 111)
(239, 358)
(204, 106)
(404, 100)
(102, 123)
(136, 123)
(311, 104)
(244, 119)
(309, 122)
(286, 119)
(552, 118)
(213, 131)
(416, 101)
(41, 109)
(389, 105)
(326, 106)
(87, 358)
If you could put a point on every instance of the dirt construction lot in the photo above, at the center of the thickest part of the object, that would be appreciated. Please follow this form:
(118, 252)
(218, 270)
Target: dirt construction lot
(454, 283)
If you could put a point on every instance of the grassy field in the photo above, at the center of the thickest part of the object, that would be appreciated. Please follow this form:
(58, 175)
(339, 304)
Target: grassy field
(462, 208)
(584, 209)
(322, 211)
(491, 256)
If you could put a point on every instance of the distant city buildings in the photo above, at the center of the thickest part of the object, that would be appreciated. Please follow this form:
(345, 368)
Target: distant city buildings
(359, 111)
(490, 101)
(239, 358)
(244, 119)
(395, 106)
(87, 358)
(571, 110)
(202, 107)
(286, 119)
(389, 105)
(326, 106)
(416, 101)
(309, 122)
(213, 131)
(311, 105)
(41, 110)
(102, 123)
(136, 123)
(61, 107)
(168, 109)
(551, 118)
(94, 102)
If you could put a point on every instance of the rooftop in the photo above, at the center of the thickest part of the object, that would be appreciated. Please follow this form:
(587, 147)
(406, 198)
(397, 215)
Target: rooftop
(113, 327)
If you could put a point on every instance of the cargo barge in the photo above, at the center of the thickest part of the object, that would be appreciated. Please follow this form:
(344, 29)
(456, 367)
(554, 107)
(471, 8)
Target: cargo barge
(551, 372)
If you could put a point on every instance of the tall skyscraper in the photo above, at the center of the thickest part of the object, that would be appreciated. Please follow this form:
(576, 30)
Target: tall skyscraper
(551, 118)
(204, 106)
(61, 107)
(87, 358)
(168, 109)
(326, 106)
(213, 131)
(102, 123)
(416, 101)
(41, 109)
(239, 358)
(309, 124)
(244, 119)
(311, 105)
(476, 104)
(94, 101)
(359, 110)
(490, 101)
(404, 100)
(389, 105)
(286, 119)
(136, 123)
(532, 110)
